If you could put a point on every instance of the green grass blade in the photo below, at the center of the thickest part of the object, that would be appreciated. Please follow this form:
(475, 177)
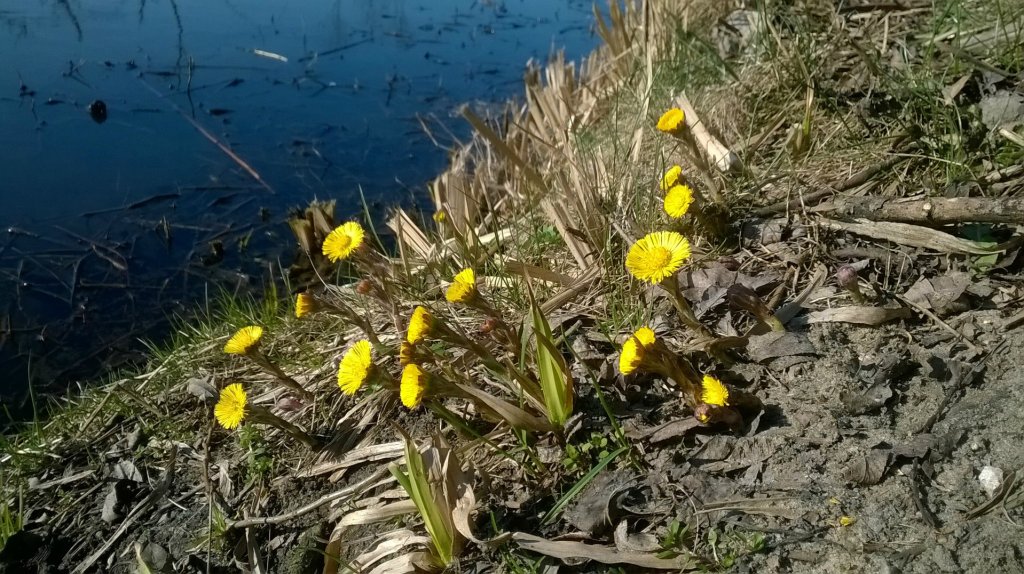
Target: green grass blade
(559, 506)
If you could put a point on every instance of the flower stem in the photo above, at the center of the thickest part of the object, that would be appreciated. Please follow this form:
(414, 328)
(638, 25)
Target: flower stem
(262, 415)
(671, 284)
(262, 360)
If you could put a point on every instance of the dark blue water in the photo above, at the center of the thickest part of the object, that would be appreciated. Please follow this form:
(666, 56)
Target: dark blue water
(114, 221)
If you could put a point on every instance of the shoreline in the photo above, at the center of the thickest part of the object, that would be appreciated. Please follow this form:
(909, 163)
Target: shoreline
(715, 396)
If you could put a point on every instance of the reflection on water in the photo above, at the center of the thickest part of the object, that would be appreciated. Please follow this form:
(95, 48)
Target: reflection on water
(219, 116)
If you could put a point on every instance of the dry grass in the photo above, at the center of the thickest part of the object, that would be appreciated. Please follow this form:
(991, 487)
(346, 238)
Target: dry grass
(546, 200)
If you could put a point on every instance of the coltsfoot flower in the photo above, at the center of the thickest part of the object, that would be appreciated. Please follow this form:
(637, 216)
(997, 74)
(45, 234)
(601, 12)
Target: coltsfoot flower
(419, 325)
(463, 287)
(305, 304)
(356, 367)
(244, 340)
(634, 350)
(231, 406)
(672, 122)
(678, 200)
(343, 241)
(713, 392)
(413, 386)
(657, 256)
(671, 177)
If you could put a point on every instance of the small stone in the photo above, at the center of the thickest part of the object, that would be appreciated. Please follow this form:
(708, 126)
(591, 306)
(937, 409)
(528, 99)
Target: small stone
(991, 478)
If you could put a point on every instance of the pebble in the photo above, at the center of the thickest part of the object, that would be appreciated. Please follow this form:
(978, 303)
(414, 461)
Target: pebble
(991, 478)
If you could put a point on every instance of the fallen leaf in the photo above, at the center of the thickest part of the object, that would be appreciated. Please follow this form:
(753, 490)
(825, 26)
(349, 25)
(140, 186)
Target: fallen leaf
(868, 400)
(859, 315)
(568, 550)
(201, 388)
(626, 541)
(944, 294)
(778, 344)
(868, 468)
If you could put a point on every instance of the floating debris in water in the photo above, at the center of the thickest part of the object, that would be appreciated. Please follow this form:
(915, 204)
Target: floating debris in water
(98, 111)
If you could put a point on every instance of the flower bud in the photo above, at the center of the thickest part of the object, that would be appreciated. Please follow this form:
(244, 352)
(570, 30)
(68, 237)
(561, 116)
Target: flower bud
(847, 278)
(743, 297)
(489, 325)
(364, 287)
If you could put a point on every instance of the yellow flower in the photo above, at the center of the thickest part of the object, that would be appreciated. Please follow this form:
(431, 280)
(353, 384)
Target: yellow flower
(462, 288)
(305, 304)
(713, 392)
(439, 216)
(634, 350)
(672, 121)
(846, 520)
(419, 325)
(414, 383)
(657, 255)
(244, 340)
(671, 177)
(230, 409)
(341, 242)
(355, 367)
(678, 200)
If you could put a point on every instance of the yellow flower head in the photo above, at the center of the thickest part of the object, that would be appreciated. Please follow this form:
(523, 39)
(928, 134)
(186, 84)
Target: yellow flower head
(463, 287)
(671, 177)
(230, 409)
(713, 392)
(419, 325)
(634, 350)
(305, 304)
(439, 216)
(355, 367)
(672, 121)
(341, 242)
(414, 383)
(678, 200)
(244, 340)
(657, 255)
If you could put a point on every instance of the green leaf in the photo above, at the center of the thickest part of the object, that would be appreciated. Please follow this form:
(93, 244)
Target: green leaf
(555, 381)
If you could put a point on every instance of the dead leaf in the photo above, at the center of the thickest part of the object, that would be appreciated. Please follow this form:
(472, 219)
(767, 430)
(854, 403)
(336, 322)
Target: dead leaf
(934, 447)
(626, 541)
(201, 388)
(125, 470)
(868, 468)
(944, 294)
(868, 400)
(674, 429)
(1002, 109)
(568, 550)
(860, 315)
(152, 559)
(779, 344)
(589, 512)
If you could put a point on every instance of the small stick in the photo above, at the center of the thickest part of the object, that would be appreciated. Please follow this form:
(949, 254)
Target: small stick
(343, 493)
(938, 321)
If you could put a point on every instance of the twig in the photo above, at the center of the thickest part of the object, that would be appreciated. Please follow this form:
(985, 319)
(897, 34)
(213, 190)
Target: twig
(938, 322)
(306, 509)
(930, 210)
(917, 493)
(213, 139)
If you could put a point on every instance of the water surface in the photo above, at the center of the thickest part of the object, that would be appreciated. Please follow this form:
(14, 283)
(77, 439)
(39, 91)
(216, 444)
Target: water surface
(113, 221)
